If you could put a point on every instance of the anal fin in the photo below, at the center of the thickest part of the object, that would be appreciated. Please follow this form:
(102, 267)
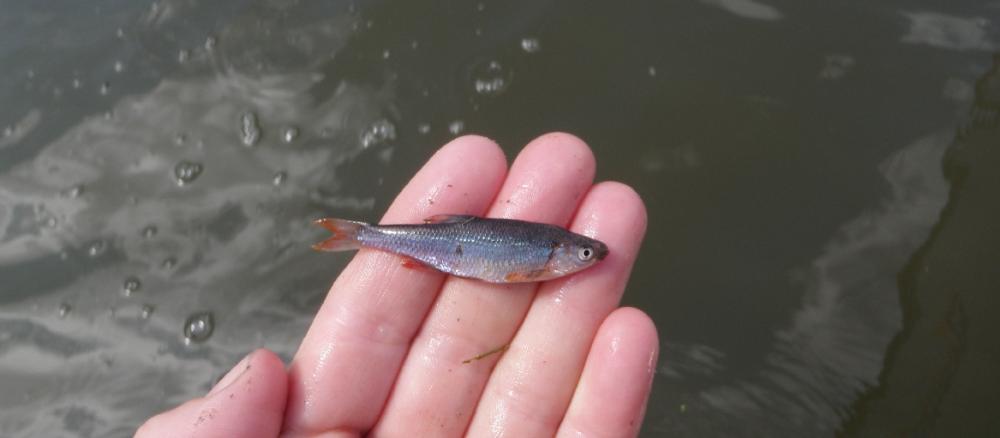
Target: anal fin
(523, 277)
(412, 263)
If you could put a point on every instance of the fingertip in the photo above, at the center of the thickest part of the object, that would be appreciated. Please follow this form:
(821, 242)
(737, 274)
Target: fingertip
(476, 146)
(564, 139)
(560, 147)
(272, 372)
(614, 388)
(248, 402)
(613, 213)
(254, 404)
(461, 177)
(623, 201)
(155, 426)
(547, 180)
(629, 324)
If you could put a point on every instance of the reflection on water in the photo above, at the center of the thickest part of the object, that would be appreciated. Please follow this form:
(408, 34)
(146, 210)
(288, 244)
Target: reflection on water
(747, 9)
(948, 32)
(948, 289)
(187, 198)
(832, 348)
(159, 164)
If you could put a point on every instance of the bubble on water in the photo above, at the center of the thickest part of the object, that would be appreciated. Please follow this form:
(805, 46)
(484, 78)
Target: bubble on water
(77, 83)
(289, 134)
(8, 131)
(836, 66)
(531, 45)
(51, 222)
(249, 129)
(183, 55)
(651, 70)
(490, 78)
(480, 7)
(180, 139)
(279, 178)
(120, 33)
(97, 248)
(424, 128)
(168, 263)
(379, 132)
(30, 74)
(105, 88)
(146, 311)
(73, 192)
(185, 172)
(64, 309)
(198, 327)
(386, 54)
(386, 155)
(210, 42)
(131, 285)
(119, 67)
(414, 44)
(478, 31)
(149, 231)
(456, 127)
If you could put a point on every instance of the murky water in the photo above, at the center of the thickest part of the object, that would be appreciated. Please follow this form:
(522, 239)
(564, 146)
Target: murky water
(809, 266)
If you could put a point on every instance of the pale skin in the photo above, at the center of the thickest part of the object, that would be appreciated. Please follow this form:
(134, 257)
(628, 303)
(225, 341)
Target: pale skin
(384, 355)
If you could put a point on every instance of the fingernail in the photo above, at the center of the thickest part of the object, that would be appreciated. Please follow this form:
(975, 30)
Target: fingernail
(232, 376)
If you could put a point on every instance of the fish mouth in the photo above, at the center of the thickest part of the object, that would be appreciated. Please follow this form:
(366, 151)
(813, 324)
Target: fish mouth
(602, 251)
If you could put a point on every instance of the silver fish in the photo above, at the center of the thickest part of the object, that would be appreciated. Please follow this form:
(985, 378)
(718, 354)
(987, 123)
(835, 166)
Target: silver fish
(493, 250)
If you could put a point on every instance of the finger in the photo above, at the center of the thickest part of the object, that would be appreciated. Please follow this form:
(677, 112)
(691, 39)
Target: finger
(348, 360)
(436, 393)
(248, 402)
(532, 384)
(610, 399)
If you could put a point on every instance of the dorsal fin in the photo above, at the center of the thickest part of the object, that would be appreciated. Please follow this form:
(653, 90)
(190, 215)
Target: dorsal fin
(449, 219)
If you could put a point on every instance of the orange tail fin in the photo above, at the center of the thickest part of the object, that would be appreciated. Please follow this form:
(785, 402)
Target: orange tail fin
(345, 234)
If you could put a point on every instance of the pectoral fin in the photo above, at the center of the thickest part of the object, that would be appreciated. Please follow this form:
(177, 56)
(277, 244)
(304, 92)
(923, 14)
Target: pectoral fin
(412, 263)
(449, 219)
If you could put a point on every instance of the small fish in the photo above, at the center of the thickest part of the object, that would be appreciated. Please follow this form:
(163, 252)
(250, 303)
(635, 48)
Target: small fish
(493, 250)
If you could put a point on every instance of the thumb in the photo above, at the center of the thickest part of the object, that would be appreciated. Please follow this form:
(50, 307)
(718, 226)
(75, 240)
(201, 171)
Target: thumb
(248, 402)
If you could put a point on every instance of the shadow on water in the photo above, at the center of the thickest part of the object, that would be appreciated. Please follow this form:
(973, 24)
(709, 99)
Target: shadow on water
(941, 372)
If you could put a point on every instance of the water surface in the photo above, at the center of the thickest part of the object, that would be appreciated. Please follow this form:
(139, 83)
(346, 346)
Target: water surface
(820, 179)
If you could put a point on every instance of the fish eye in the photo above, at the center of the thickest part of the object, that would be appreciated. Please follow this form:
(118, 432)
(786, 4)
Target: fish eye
(585, 253)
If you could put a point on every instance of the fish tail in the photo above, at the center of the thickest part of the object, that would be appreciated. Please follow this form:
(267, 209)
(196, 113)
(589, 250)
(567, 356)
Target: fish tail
(345, 234)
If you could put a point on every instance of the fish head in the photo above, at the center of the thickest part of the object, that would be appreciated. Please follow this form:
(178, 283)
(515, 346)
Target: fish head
(575, 253)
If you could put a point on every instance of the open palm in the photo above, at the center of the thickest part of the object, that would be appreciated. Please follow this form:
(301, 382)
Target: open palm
(386, 353)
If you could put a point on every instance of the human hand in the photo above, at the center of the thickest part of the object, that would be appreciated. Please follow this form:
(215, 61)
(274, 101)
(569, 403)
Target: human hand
(385, 354)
